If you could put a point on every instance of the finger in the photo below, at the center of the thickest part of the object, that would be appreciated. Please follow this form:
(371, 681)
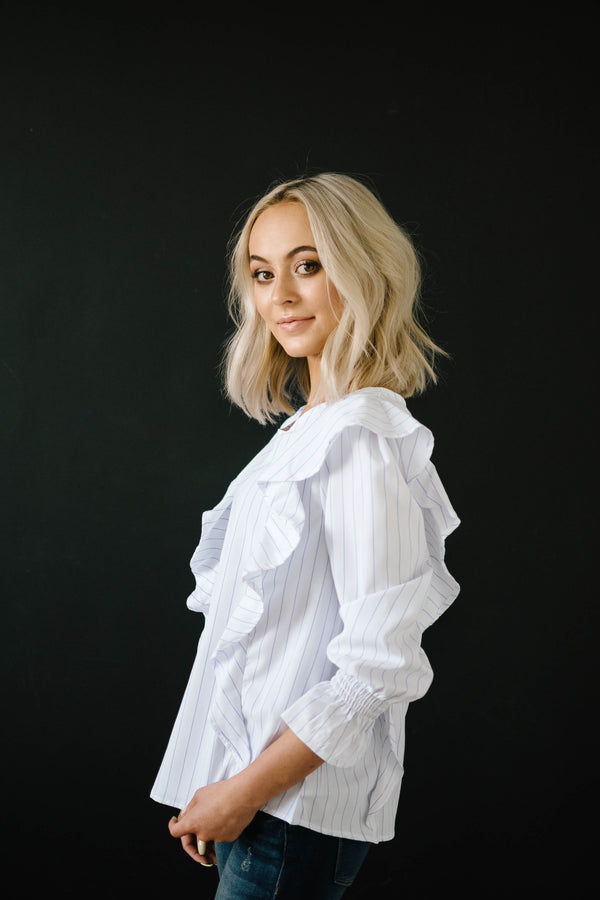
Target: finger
(176, 828)
(207, 856)
(203, 854)
(189, 844)
(211, 855)
(192, 846)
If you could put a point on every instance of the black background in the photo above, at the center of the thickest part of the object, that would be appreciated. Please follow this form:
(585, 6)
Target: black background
(131, 142)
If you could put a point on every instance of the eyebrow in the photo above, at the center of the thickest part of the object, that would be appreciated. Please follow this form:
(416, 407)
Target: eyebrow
(287, 255)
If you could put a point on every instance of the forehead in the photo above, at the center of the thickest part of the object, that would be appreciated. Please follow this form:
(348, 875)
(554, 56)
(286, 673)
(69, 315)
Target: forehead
(281, 227)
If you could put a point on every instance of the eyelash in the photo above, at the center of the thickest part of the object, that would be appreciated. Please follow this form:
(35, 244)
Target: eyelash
(305, 262)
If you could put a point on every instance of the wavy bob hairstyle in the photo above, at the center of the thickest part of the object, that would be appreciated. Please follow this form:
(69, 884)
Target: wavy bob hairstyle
(374, 267)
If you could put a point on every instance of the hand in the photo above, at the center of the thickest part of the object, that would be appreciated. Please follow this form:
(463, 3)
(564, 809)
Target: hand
(221, 811)
(192, 847)
(215, 813)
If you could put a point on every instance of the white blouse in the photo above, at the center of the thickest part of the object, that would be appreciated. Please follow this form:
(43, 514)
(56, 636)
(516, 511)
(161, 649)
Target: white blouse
(317, 574)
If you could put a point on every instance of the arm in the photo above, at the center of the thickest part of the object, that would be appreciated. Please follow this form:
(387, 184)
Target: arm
(220, 812)
(381, 568)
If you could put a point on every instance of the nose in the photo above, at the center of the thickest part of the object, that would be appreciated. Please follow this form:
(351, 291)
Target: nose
(284, 289)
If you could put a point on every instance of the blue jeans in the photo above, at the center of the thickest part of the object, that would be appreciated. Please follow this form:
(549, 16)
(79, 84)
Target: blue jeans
(273, 859)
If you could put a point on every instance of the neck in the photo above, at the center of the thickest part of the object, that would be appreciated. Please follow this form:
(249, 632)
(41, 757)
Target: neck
(314, 373)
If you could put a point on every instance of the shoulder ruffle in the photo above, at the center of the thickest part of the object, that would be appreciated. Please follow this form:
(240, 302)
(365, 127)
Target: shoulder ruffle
(302, 450)
(302, 454)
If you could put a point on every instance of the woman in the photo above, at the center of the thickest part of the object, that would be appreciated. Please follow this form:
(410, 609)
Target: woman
(322, 565)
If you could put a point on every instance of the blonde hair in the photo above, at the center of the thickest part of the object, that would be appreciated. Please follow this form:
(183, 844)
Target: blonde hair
(373, 265)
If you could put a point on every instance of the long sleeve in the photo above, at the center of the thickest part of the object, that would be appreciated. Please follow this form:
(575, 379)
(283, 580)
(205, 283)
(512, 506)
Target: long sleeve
(381, 568)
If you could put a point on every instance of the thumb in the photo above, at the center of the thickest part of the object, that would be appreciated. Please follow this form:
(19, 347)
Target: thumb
(176, 828)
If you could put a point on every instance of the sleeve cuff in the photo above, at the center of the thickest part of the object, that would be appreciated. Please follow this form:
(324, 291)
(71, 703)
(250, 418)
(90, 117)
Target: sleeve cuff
(335, 719)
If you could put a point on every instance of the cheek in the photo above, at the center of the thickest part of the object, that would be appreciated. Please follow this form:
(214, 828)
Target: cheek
(334, 301)
(259, 304)
(336, 308)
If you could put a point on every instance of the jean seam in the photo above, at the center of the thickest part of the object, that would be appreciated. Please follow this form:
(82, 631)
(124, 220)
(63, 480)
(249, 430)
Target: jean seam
(336, 876)
(283, 857)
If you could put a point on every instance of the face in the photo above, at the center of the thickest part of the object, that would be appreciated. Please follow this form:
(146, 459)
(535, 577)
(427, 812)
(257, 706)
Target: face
(291, 290)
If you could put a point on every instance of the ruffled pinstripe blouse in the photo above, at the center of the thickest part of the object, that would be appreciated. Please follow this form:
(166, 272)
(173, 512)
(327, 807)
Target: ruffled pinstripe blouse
(317, 574)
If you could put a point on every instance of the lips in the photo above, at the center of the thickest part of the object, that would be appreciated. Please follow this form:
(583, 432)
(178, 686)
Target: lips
(294, 322)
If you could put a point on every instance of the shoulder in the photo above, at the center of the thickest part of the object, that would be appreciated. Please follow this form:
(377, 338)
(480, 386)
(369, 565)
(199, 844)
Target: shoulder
(376, 412)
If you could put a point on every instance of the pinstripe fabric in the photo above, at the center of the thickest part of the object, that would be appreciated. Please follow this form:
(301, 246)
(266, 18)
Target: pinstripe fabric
(317, 574)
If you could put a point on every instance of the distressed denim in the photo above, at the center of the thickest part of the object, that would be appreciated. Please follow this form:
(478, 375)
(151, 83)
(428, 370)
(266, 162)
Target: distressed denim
(273, 859)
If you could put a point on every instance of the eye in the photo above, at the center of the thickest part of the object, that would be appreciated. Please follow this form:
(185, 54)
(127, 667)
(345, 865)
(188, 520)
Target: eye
(308, 267)
(262, 275)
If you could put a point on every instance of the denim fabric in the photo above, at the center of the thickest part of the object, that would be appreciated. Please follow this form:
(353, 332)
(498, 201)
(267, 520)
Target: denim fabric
(273, 859)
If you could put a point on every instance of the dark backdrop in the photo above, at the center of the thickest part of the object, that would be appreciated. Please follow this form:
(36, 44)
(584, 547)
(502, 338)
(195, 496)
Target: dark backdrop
(130, 143)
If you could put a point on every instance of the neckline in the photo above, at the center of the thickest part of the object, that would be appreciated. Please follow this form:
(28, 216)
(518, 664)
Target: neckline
(288, 425)
(301, 413)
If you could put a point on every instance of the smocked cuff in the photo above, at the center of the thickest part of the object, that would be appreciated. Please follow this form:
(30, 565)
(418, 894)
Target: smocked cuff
(335, 719)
